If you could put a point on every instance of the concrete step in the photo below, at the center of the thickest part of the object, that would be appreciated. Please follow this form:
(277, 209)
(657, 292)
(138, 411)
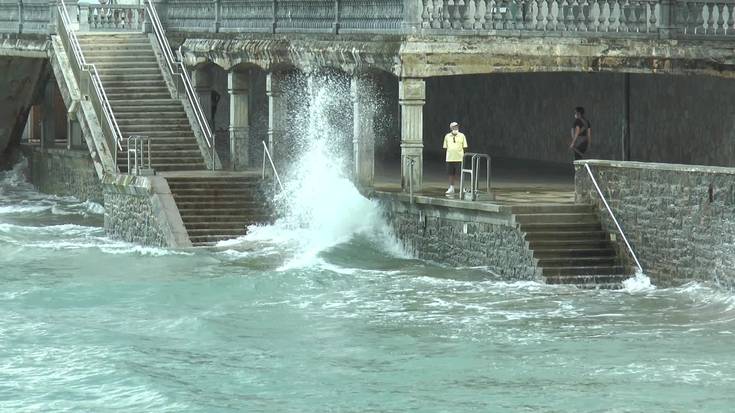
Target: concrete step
(112, 48)
(557, 218)
(208, 240)
(112, 70)
(167, 159)
(168, 167)
(130, 76)
(210, 193)
(217, 203)
(144, 122)
(175, 115)
(213, 211)
(581, 270)
(567, 236)
(132, 88)
(142, 63)
(249, 218)
(134, 83)
(140, 96)
(561, 227)
(176, 128)
(542, 245)
(217, 232)
(571, 252)
(552, 209)
(613, 279)
(587, 261)
(154, 103)
(218, 226)
(163, 148)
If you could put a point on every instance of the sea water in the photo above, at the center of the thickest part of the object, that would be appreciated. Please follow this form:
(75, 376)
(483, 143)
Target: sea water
(323, 311)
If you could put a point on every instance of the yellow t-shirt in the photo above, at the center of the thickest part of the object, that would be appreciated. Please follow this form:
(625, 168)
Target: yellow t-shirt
(455, 144)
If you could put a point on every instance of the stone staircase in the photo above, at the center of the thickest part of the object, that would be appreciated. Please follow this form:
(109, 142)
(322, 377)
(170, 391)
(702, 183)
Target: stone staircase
(216, 208)
(141, 101)
(571, 246)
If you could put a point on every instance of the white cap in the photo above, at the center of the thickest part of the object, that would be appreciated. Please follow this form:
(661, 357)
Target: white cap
(453, 124)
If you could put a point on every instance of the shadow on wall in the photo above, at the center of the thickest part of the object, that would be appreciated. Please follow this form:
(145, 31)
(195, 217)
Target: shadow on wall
(676, 119)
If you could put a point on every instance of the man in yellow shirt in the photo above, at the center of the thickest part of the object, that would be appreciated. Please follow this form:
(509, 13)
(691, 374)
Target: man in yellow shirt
(455, 143)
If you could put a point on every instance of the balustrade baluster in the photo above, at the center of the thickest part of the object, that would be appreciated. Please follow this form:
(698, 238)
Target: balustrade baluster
(721, 10)
(498, 16)
(601, 19)
(624, 16)
(559, 25)
(436, 22)
(469, 15)
(426, 14)
(544, 15)
(456, 15)
(480, 11)
(581, 15)
(508, 16)
(731, 18)
(699, 15)
(489, 21)
(643, 16)
(519, 14)
(446, 22)
(653, 19)
(614, 17)
(569, 16)
(714, 17)
(533, 14)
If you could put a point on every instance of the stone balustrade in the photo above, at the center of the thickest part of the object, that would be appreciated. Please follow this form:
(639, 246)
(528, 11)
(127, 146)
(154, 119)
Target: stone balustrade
(713, 19)
(102, 17)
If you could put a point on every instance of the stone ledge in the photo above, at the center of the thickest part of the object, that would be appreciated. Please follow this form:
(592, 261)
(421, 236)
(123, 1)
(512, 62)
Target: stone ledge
(448, 203)
(657, 166)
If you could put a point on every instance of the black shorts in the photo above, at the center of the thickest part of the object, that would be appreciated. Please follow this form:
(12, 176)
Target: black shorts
(453, 168)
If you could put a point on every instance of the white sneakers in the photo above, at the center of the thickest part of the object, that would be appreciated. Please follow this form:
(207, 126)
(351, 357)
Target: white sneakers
(450, 191)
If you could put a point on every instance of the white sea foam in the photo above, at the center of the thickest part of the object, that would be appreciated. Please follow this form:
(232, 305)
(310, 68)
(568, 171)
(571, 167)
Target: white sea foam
(321, 207)
(638, 283)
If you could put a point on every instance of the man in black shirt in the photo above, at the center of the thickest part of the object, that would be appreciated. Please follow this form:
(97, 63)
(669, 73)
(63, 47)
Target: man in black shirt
(581, 134)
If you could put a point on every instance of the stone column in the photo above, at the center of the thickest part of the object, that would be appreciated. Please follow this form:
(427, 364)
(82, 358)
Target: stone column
(202, 82)
(411, 96)
(237, 86)
(48, 121)
(363, 90)
(276, 113)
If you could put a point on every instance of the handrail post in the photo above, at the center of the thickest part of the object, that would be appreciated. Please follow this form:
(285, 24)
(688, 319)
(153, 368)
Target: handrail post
(617, 225)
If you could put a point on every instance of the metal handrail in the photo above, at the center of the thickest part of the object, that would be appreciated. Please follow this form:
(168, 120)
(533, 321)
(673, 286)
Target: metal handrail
(411, 162)
(620, 230)
(141, 152)
(177, 69)
(266, 153)
(94, 76)
(474, 172)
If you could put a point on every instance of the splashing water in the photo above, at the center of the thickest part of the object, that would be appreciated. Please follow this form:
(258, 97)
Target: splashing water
(320, 206)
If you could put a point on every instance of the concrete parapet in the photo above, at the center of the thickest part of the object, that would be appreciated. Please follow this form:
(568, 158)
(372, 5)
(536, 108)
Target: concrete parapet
(461, 234)
(141, 209)
(679, 219)
(64, 172)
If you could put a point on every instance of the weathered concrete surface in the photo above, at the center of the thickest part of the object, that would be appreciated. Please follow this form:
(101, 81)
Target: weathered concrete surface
(21, 82)
(446, 56)
(64, 172)
(460, 234)
(680, 219)
(141, 209)
(305, 53)
(673, 118)
(24, 45)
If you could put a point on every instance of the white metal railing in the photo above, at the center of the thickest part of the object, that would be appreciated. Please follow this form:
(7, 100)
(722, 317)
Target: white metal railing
(178, 71)
(139, 155)
(410, 161)
(267, 154)
(474, 173)
(102, 105)
(620, 230)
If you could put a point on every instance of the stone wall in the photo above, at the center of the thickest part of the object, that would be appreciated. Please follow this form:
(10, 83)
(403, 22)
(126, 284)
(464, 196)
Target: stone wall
(141, 209)
(435, 230)
(676, 119)
(64, 172)
(680, 219)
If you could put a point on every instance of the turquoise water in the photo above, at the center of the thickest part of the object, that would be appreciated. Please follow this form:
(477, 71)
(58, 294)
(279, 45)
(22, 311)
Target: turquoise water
(344, 322)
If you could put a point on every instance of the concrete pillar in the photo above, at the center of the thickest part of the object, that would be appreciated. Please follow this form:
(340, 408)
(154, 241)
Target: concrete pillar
(237, 86)
(276, 113)
(202, 82)
(48, 125)
(74, 132)
(411, 96)
(363, 90)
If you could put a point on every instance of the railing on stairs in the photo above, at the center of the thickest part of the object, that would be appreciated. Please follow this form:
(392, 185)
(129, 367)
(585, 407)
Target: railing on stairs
(139, 155)
(178, 71)
(86, 75)
(617, 225)
(267, 154)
